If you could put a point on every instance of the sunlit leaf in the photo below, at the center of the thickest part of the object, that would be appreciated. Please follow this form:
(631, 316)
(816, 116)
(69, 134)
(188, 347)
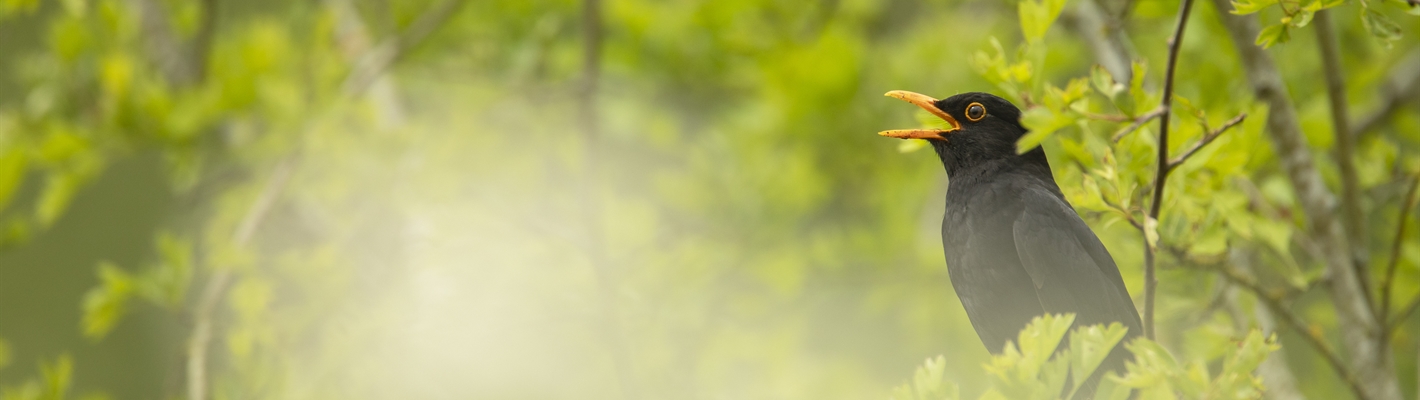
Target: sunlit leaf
(1036, 16)
(1090, 345)
(1273, 34)
(106, 304)
(1244, 7)
(12, 172)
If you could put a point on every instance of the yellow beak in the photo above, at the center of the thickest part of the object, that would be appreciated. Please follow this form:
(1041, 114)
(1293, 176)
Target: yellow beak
(927, 103)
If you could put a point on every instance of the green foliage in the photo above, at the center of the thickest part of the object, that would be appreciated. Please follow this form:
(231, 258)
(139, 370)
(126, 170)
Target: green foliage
(734, 230)
(1037, 16)
(105, 305)
(164, 284)
(1298, 15)
(1034, 370)
(53, 383)
(927, 383)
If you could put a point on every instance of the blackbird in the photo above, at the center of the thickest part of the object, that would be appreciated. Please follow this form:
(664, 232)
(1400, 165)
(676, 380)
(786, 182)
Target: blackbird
(1015, 248)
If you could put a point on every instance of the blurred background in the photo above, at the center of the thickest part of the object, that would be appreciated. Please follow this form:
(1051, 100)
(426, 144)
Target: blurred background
(619, 199)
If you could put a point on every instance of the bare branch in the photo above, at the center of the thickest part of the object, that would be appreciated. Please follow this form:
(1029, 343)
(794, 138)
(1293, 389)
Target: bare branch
(220, 279)
(1404, 313)
(1353, 218)
(1389, 282)
(1151, 281)
(1139, 121)
(1208, 138)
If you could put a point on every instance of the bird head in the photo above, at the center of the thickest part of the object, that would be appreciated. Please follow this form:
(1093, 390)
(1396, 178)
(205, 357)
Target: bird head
(980, 127)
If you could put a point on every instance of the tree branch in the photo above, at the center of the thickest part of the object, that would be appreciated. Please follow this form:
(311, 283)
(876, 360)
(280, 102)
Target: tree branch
(1275, 370)
(373, 63)
(1387, 284)
(1274, 303)
(1357, 322)
(1139, 121)
(1353, 219)
(218, 283)
(202, 43)
(604, 270)
(220, 279)
(1104, 33)
(1404, 86)
(1208, 138)
(1161, 177)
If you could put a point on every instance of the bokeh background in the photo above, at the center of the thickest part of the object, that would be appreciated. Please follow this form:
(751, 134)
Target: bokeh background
(619, 199)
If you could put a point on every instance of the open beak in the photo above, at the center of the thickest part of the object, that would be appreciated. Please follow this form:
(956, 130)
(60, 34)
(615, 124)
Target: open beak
(927, 103)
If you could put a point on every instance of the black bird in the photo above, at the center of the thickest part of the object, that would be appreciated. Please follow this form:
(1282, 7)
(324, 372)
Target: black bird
(1015, 248)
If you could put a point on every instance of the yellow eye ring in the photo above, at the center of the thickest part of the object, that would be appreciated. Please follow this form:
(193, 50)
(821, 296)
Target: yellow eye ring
(975, 112)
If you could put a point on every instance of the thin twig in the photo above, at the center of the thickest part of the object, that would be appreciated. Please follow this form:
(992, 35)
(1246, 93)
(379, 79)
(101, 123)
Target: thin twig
(1274, 303)
(1404, 313)
(1205, 141)
(604, 270)
(1352, 217)
(218, 282)
(1139, 121)
(1389, 282)
(1402, 87)
(1150, 279)
(374, 62)
(1106, 117)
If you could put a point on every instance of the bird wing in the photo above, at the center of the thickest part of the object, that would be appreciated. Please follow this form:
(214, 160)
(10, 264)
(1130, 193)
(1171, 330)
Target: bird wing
(1070, 268)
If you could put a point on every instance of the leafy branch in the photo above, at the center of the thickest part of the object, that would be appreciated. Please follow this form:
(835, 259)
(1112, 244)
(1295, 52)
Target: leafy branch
(1032, 368)
(1274, 302)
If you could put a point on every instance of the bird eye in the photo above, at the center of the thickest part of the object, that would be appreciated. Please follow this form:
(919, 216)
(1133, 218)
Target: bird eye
(975, 112)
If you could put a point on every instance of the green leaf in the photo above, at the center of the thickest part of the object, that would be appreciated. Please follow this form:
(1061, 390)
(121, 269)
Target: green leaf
(1273, 34)
(1104, 83)
(12, 173)
(1152, 369)
(1037, 15)
(1090, 345)
(1187, 106)
(1300, 19)
(1236, 379)
(1037, 342)
(928, 383)
(166, 283)
(1151, 232)
(59, 189)
(1380, 26)
(1041, 122)
(58, 376)
(1110, 389)
(1244, 7)
(105, 305)
(1136, 89)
